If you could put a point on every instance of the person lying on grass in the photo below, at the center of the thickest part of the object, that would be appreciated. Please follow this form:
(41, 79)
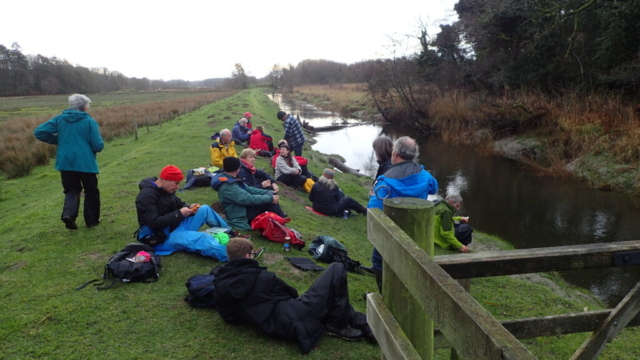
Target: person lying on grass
(245, 292)
(169, 224)
(329, 200)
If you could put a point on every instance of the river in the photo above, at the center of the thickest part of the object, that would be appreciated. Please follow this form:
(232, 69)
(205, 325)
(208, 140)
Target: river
(503, 199)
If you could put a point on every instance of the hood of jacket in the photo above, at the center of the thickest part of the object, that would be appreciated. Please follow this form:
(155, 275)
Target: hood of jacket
(236, 279)
(222, 178)
(74, 115)
(148, 183)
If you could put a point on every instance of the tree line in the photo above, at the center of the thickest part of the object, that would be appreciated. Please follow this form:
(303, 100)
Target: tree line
(22, 74)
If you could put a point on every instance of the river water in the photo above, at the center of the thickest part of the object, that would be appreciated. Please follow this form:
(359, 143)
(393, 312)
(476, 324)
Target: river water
(502, 198)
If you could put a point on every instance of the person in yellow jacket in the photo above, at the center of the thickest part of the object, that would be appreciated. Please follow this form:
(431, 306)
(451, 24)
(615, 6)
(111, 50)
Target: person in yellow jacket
(222, 148)
(450, 231)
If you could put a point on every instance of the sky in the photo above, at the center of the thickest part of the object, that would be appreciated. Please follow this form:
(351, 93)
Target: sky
(196, 40)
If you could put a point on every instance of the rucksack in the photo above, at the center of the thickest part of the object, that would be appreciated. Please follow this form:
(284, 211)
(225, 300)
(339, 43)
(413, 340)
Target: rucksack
(272, 227)
(123, 267)
(328, 249)
(201, 290)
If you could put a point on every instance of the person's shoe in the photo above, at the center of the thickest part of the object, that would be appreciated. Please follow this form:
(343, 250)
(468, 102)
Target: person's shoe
(93, 224)
(348, 333)
(69, 223)
(258, 253)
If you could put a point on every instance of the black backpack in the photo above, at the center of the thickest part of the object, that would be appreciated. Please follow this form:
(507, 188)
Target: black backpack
(201, 290)
(328, 249)
(122, 269)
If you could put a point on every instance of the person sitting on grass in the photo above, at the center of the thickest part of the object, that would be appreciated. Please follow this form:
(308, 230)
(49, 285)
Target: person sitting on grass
(169, 224)
(222, 148)
(248, 116)
(302, 161)
(246, 292)
(450, 231)
(327, 198)
(261, 142)
(254, 177)
(288, 170)
(240, 132)
(242, 203)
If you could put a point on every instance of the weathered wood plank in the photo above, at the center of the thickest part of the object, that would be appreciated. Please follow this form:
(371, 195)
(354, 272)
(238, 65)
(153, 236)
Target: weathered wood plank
(393, 342)
(548, 326)
(611, 327)
(409, 214)
(509, 262)
(471, 329)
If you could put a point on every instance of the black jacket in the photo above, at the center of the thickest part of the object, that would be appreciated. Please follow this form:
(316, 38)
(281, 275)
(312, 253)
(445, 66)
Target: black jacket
(253, 180)
(246, 292)
(157, 208)
(383, 166)
(324, 199)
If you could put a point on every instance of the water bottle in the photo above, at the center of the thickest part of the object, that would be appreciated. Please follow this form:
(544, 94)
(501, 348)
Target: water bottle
(345, 214)
(287, 244)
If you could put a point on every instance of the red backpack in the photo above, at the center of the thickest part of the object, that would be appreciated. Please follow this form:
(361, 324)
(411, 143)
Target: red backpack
(272, 227)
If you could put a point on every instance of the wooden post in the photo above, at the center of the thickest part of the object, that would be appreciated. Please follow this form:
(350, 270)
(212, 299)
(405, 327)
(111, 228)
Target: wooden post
(135, 129)
(146, 122)
(415, 217)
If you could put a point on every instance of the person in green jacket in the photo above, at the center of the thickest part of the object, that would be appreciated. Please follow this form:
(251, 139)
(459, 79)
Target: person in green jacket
(242, 203)
(450, 231)
(78, 138)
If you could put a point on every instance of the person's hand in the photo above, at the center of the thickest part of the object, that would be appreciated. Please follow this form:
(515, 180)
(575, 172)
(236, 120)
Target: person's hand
(266, 183)
(297, 171)
(464, 219)
(275, 188)
(275, 199)
(249, 132)
(464, 249)
(185, 211)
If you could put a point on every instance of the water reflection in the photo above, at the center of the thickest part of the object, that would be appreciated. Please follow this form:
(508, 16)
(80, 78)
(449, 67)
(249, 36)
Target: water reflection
(504, 200)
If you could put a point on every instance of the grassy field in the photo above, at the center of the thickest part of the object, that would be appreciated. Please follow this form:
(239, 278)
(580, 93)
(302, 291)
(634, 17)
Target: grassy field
(41, 263)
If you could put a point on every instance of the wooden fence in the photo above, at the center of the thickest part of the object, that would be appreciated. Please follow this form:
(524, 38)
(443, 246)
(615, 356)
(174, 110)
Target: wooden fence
(419, 289)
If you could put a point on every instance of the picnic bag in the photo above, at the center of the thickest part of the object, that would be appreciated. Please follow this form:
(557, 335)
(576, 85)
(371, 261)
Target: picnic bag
(272, 227)
(328, 249)
(135, 263)
(201, 290)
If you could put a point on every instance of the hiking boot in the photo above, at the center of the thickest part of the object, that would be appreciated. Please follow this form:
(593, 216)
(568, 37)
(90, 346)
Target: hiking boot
(348, 333)
(257, 253)
(69, 222)
(93, 224)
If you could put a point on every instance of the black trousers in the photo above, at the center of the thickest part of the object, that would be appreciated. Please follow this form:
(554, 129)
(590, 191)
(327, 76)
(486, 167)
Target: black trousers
(253, 211)
(73, 182)
(292, 180)
(347, 203)
(463, 233)
(328, 300)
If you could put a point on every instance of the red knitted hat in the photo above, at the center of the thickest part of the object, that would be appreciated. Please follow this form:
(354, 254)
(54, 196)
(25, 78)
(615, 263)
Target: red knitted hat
(171, 173)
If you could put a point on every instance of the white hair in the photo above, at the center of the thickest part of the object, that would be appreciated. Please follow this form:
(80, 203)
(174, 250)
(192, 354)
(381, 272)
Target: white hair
(79, 101)
(243, 121)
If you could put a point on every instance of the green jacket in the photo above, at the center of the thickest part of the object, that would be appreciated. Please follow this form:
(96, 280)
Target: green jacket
(443, 229)
(235, 197)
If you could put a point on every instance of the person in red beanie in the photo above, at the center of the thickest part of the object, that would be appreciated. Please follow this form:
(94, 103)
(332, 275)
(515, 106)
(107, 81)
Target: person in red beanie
(169, 224)
(248, 116)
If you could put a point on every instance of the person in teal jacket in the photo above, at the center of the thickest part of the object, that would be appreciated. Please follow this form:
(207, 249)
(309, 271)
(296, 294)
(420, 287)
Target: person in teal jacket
(450, 231)
(79, 140)
(242, 203)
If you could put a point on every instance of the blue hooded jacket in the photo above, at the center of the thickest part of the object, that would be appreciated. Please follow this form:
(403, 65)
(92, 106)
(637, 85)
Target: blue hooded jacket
(405, 179)
(78, 138)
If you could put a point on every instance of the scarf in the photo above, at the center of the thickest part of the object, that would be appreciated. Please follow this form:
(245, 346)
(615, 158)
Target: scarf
(251, 168)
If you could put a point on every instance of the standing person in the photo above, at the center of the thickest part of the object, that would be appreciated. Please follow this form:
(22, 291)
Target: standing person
(248, 116)
(78, 138)
(242, 203)
(292, 132)
(404, 178)
(447, 233)
(288, 171)
(173, 224)
(327, 198)
(246, 292)
(222, 148)
(240, 132)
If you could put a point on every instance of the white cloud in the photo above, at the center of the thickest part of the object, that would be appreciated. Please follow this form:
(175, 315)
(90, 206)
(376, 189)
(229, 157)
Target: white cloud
(194, 40)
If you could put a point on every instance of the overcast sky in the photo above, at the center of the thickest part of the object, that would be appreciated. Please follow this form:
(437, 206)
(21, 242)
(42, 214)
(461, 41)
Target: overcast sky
(196, 40)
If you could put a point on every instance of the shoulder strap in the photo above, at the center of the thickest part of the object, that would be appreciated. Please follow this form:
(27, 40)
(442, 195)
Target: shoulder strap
(115, 281)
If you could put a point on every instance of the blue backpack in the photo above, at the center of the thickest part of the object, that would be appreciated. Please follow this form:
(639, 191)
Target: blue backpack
(201, 291)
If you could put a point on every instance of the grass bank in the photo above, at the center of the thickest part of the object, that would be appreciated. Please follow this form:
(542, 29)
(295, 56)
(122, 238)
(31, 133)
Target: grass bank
(41, 262)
